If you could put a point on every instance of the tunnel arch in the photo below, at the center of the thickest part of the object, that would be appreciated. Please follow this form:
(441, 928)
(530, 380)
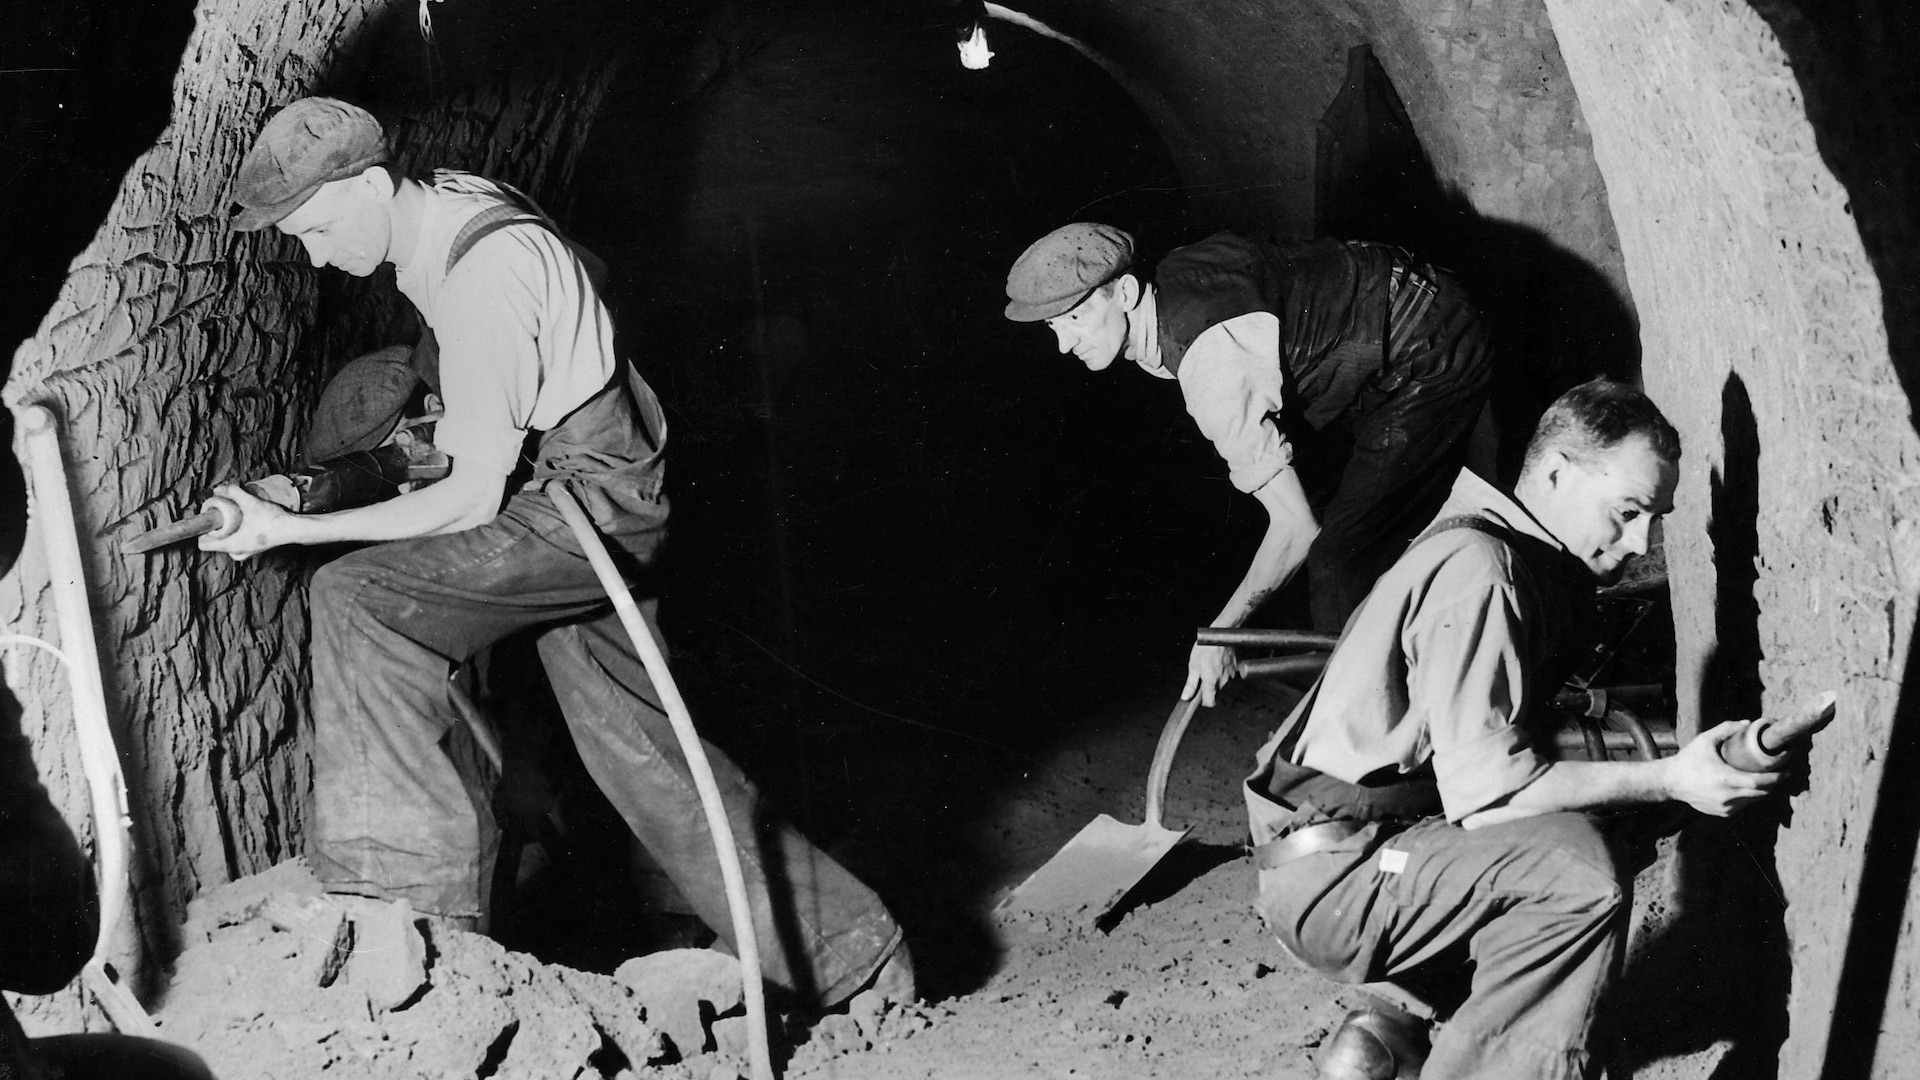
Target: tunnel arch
(1666, 146)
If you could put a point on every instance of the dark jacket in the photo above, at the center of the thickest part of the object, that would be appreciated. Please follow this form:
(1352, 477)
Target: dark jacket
(1332, 298)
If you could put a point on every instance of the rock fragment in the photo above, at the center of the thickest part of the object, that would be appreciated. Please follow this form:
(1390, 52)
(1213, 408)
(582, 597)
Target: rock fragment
(675, 983)
(389, 958)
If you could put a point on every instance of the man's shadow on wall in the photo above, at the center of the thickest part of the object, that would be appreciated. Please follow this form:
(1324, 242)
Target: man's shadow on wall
(1554, 318)
(1710, 962)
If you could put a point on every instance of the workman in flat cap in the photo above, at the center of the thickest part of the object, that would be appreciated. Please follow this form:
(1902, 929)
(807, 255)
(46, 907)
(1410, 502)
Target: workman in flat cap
(524, 361)
(1367, 355)
(1414, 827)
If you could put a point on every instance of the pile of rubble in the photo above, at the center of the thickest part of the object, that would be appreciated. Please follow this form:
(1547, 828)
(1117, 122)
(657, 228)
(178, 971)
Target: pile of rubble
(278, 980)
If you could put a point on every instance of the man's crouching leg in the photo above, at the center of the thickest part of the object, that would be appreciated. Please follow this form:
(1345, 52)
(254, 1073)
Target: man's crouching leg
(824, 935)
(1534, 910)
(392, 817)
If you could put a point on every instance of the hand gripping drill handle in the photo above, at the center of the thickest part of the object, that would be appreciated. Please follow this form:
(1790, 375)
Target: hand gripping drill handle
(355, 479)
(1765, 745)
(218, 517)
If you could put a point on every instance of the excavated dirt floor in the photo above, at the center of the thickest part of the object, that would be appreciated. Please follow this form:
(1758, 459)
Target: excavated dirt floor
(1180, 983)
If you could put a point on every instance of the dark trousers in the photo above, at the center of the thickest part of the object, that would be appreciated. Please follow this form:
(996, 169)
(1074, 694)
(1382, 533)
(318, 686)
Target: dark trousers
(1403, 443)
(393, 816)
(1529, 915)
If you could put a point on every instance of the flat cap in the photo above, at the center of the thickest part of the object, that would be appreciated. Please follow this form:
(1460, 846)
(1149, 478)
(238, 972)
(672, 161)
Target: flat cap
(310, 142)
(361, 404)
(1062, 267)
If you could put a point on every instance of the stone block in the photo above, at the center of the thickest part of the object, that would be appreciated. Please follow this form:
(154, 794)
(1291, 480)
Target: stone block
(675, 983)
(389, 959)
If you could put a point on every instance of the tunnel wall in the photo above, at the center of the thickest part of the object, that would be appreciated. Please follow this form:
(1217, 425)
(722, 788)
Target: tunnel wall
(180, 354)
(1792, 547)
(1482, 81)
(1527, 221)
(1237, 92)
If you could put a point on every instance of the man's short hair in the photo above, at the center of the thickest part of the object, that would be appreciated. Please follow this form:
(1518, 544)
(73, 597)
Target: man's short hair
(1597, 416)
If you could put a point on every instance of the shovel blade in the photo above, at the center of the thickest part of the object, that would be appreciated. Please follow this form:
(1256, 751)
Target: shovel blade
(1095, 869)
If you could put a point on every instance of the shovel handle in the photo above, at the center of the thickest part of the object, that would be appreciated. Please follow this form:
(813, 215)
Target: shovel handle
(1163, 756)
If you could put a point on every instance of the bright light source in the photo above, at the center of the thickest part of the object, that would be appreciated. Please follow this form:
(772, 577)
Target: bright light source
(974, 53)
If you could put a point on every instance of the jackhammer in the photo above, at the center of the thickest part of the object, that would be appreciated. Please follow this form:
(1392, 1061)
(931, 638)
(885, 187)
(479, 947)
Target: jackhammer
(360, 478)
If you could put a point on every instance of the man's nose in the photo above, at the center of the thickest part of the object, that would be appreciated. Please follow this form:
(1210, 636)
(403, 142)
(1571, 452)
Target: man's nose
(313, 253)
(1061, 338)
(1639, 535)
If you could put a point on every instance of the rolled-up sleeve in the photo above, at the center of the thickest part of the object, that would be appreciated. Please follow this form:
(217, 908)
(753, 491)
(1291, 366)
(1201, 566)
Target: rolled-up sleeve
(1466, 674)
(1230, 377)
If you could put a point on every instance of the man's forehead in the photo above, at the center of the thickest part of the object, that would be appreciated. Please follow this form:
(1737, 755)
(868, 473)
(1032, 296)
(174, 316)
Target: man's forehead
(1088, 305)
(1638, 473)
(319, 209)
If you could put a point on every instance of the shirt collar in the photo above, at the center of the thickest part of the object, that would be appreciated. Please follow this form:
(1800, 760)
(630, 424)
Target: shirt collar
(1473, 495)
(409, 272)
(1143, 334)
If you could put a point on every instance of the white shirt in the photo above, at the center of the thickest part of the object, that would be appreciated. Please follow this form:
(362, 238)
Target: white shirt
(1230, 378)
(524, 339)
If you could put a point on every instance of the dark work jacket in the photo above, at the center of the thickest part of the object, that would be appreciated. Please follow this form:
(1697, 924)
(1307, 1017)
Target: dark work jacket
(1332, 298)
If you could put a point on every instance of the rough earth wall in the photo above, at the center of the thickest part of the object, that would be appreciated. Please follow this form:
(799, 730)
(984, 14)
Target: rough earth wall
(1792, 549)
(178, 355)
(168, 359)
(1484, 82)
(1237, 90)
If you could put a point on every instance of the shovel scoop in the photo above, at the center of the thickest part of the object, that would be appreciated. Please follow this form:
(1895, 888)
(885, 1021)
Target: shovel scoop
(1105, 860)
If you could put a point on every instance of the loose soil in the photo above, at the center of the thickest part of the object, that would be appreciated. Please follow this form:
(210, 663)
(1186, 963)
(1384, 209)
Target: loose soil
(1180, 981)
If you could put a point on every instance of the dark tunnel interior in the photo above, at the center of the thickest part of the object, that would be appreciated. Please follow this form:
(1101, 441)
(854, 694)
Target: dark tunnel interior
(908, 532)
(909, 536)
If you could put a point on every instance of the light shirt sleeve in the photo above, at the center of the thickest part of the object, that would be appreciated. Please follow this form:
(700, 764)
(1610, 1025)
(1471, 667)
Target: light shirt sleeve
(486, 339)
(1230, 377)
(523, 342)
(1466, 675)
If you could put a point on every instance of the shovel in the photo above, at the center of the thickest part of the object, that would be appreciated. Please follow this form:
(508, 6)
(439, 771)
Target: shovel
(1109, 857)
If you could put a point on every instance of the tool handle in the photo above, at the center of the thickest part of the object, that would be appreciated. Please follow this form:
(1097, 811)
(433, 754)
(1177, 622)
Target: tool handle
(1766, 743)
(217, 515)
(1163, 756)
(1254, 635)
(1302, 664)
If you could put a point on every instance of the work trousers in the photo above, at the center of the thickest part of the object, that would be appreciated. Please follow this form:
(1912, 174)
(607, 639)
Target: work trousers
(394, 818)
(1403, 442)
(1530, 915)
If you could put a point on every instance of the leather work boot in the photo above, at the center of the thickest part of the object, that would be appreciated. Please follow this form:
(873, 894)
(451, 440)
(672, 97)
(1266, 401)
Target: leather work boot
(1376, 1043)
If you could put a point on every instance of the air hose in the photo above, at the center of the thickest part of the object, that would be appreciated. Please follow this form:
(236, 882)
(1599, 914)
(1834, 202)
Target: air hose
(112, 821)
(746, 941)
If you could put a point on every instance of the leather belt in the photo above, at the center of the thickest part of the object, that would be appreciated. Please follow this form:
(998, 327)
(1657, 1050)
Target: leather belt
(1303, 842)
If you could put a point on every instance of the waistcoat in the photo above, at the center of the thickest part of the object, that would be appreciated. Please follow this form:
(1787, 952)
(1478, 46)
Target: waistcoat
(1332, 298)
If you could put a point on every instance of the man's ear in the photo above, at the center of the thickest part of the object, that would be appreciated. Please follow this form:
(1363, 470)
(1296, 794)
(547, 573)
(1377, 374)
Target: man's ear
(1555, 468)
(1126, 289)
(378, 183)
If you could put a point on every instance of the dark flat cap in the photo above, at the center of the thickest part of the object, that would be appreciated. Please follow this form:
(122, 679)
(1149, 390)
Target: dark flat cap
(311, 142)
(1062, 267)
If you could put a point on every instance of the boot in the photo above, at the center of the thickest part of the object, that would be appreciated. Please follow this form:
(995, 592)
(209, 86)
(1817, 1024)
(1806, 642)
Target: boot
(1379, 1042)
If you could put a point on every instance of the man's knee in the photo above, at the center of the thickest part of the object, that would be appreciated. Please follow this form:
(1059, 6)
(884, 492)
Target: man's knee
(1315, 908)
(1573, 863)
(340, 590)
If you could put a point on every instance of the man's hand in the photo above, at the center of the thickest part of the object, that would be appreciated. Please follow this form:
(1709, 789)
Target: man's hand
(263, 525)
(1208, 669)
(1700, 777)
